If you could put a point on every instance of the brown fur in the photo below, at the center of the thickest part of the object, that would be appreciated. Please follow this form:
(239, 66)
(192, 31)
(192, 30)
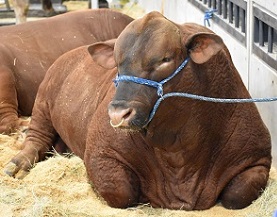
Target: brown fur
(27, 51)
(190, 156)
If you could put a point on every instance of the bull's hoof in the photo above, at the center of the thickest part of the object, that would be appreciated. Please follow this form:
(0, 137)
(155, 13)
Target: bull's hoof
(8, 127)
(14, 171)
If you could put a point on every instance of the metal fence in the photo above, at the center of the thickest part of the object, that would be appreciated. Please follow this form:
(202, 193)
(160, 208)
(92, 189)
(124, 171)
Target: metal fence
(231, 15)
(265, 37)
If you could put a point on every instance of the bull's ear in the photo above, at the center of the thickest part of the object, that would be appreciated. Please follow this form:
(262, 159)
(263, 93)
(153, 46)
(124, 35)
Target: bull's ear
(103, 53)
(202, 46)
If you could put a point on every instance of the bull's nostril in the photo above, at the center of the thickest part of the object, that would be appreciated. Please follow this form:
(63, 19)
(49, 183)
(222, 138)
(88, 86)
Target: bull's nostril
(127, 114)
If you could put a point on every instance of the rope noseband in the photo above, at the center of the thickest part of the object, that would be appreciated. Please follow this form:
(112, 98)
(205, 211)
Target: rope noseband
(151, 83)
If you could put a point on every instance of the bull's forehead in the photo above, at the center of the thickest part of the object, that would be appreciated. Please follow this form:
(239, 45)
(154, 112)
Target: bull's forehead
(147, 37)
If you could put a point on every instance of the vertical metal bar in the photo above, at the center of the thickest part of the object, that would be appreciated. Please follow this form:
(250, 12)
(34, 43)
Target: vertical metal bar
(230, 11)
(205, 1)
(243, 19)
(224, 10)
(261, 33)
(256, 30)
(94, 4)
(270, 39)
(236, 15)
(249, 41)
(219, 7)
(7, 5)
(214, 4)
(209, 3)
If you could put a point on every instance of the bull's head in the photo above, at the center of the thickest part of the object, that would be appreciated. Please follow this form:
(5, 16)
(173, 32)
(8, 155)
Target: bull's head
(151, 48)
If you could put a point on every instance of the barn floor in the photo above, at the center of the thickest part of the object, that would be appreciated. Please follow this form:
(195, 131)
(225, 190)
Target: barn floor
(58, 187)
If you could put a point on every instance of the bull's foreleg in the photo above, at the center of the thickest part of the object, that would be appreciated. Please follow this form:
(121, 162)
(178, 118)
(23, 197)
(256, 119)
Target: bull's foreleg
(114, 182)
(40, 138)
(9, 120)
(245, 188)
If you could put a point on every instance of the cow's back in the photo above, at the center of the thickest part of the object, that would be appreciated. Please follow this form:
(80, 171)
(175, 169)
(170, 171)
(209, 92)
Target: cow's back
(101, 24)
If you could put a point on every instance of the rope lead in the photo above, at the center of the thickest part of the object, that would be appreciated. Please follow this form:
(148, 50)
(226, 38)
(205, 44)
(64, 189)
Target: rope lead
(207, 99)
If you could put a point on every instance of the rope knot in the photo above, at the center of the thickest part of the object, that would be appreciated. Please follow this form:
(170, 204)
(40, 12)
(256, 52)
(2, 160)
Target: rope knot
(208, 15)
(116, 81)
(160, 91)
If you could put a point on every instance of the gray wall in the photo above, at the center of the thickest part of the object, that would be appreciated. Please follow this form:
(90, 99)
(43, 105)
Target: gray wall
(259, 76)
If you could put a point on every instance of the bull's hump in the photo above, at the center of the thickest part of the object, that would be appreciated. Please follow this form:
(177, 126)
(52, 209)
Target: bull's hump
(141, 24)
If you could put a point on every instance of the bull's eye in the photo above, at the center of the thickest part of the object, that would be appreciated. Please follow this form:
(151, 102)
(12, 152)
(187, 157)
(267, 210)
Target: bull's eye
(166, 59)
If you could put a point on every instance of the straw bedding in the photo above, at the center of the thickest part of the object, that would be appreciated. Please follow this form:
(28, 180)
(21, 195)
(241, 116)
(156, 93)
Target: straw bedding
(58, 186)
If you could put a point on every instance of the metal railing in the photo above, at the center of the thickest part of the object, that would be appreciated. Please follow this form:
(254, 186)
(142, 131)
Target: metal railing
(265, 37)
(233, 10)
(231, 15)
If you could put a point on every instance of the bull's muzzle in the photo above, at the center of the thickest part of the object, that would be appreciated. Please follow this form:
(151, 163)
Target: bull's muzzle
(119, 117)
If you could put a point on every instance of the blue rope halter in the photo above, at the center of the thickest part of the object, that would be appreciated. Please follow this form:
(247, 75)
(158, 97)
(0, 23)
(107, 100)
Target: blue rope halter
(159, 86)
(151, 83)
